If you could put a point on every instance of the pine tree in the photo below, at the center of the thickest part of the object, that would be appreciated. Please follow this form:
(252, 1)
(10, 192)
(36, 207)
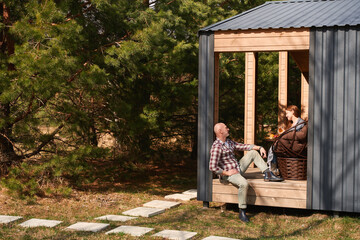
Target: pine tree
(72, 70)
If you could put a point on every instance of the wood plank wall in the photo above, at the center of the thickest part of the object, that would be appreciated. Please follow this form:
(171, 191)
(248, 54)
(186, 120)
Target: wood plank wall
(304, 97)
(250, 97)
(263, 40)
(282, 89)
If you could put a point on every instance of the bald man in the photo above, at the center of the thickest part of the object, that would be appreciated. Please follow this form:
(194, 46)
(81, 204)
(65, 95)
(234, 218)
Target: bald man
(224, 164)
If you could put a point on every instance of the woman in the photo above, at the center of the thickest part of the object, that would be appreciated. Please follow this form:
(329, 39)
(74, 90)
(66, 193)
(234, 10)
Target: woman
(291, 143)
(293, 117)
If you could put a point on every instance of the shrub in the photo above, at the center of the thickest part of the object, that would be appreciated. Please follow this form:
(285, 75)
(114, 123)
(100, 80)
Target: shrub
(55, 176)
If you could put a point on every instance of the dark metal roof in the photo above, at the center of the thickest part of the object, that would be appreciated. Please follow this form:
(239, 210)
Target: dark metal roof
(294, 14)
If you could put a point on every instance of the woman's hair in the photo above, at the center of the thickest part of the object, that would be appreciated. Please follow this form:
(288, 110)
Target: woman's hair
(295, 109)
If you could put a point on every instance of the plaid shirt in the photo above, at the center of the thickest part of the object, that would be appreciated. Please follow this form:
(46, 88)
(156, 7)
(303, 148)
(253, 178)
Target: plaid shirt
(223, 155)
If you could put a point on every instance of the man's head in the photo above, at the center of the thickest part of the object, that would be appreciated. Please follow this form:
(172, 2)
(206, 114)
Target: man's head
(221, 130)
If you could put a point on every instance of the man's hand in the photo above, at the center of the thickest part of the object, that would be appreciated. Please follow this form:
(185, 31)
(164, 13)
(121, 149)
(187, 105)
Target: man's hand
(230, 172)
(262, 152)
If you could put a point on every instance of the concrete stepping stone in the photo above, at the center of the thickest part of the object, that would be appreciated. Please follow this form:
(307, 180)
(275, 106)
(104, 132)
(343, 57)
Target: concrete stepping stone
(175, 235)
(131, 230)
(35, 222)
(180, 196)
(192, 192)
(161, 204)
(88, 227)
(115, 218)
(144, 212)
(8, 219)
(219, 238)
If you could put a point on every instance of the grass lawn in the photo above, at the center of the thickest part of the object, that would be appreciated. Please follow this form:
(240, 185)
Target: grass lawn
(118, 191)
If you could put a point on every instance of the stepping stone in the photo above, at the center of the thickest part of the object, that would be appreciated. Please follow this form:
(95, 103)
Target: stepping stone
(88, 227)
(175, 235)
(219, 238)
(8, 219)
(180, 196)
(144, 212)
(132, 230)
(161, 204)
(34, 222)
(192, 192)
(115, 218)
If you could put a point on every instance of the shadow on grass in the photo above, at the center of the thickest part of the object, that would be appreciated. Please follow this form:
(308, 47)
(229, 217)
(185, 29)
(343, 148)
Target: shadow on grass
(277, 212)
(157, 176)
(296, 233)
(189, 219)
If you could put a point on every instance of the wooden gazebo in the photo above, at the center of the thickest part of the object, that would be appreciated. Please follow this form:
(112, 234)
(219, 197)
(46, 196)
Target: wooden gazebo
(323, 37)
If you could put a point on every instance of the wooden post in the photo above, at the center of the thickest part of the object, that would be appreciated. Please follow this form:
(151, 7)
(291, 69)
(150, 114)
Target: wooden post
(250, 97)
(304, 97)
(282, 90)
(216, 88)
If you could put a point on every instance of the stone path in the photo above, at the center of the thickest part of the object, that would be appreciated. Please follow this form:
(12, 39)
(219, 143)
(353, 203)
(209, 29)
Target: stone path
(115, 218)
(34, 222)
(8, 219)
(175, 235)
(132, 230)
(149, 209)
(180, 196)
(144, 212)
(161, 204)
(88, 227)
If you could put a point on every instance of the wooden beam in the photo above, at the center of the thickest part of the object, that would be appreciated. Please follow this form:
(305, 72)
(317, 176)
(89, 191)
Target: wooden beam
(262, 40)
(250, 97)
(282, 89)
(262, 201)
(304, 97)
(302, 60)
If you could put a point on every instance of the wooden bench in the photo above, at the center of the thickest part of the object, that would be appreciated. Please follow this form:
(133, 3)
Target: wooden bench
(289, 193)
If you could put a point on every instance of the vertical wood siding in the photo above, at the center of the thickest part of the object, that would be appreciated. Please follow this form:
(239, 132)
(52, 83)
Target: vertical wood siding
(334, 113)
(205, 115)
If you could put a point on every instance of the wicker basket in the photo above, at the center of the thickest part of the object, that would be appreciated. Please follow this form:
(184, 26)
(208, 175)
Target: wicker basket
(292, 168)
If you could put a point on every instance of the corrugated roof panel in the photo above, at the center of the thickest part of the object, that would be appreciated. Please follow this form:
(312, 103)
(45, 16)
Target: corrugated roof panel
(294, 14)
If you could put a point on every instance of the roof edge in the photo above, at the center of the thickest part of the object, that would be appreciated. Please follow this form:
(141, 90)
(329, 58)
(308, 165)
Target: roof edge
(205, 29)
(210, 27)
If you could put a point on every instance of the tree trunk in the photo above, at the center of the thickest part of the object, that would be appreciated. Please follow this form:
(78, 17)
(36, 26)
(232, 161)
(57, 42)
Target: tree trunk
(8, 157)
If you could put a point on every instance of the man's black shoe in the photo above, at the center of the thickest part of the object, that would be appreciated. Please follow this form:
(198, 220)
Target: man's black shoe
(242, 216)
(269, 176)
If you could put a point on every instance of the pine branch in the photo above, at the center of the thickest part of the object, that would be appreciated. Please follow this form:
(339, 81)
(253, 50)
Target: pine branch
(49, 139)
(69, 17)
(170, 2)
(12, 143)
(28, 111)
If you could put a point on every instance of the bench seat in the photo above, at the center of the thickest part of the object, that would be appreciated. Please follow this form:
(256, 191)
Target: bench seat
(288, 194)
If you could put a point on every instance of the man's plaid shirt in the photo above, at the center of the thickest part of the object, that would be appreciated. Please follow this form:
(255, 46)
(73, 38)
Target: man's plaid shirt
(223, 155)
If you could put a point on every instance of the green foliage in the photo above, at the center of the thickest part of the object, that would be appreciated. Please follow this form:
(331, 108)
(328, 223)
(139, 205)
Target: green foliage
(267, 89)
(232, 92)
(82, 69)
(52, 177)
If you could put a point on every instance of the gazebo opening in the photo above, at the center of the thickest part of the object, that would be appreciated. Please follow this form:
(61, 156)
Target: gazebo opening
(268, 113)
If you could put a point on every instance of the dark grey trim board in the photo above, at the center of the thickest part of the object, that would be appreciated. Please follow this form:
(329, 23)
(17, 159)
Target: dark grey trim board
(205, 115)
